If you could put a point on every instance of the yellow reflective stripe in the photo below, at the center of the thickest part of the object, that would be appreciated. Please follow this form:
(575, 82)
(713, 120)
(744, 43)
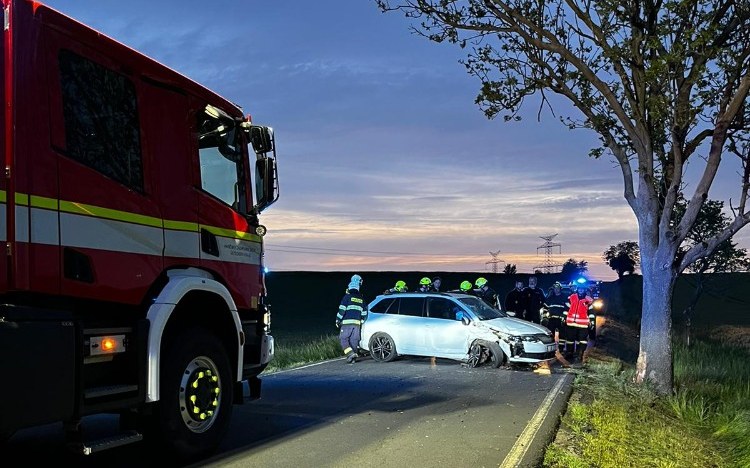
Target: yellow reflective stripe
(231, 233)
(355, 307)
(125, 216)
(44, 202)
(181, 226)
(107, 213)
(351, 322)
(22, 199)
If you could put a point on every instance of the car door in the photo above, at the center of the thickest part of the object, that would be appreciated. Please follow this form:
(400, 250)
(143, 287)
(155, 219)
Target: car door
(409, 333)
(446, 336)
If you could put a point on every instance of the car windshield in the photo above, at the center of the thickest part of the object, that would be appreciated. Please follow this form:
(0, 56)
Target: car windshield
(481, 309)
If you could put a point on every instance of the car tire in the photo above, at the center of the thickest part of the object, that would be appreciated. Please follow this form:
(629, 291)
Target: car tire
(382, 348)
(482, 352)
(188, 420)
(497, 356)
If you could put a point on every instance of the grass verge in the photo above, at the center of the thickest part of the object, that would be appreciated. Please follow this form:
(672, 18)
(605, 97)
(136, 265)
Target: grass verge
(611, 422)
(295, 353)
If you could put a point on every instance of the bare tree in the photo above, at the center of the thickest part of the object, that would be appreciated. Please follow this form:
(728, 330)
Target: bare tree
(660, 81)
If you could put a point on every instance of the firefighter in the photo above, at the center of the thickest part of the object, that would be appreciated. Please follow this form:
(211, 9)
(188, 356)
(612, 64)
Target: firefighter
(555, 313)
(352, 312)
(533, 301)
(436, 282)
(425, 285)
(466, 287)
(514, 301)
(485, 292)
(400, 287)
(578, 320)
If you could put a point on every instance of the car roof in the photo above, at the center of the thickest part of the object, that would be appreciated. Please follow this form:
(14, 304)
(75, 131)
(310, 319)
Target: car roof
(425, 294)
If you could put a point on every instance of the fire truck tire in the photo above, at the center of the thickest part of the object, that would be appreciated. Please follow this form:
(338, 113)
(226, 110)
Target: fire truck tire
(196, 396)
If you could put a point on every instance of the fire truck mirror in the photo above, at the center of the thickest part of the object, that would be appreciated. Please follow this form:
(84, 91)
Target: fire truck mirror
(266, 183)
(261, 138)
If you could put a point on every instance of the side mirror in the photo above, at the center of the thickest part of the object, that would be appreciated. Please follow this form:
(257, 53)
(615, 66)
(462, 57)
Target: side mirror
(266, 184)
(466, 320)
(261, 138)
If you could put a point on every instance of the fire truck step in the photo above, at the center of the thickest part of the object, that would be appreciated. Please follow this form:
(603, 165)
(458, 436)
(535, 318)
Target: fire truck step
(97, 392)
(129, 437)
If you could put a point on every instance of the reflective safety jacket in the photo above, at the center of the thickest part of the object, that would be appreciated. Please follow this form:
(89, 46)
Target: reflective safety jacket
(353, 310)
(556, 306)
(578, 314)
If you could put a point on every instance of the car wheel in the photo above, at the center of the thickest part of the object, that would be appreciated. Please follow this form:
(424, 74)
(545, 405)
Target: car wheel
(475, 355)
(196, 392)
(382, 348)
(497, 356)
(485, 352)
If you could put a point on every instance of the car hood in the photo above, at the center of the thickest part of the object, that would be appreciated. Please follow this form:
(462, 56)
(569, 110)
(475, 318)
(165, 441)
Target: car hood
(514, 326)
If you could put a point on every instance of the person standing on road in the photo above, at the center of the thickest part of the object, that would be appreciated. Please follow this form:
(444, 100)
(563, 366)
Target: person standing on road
(466, 287)
(533, 299)
(514, 305)
(352, 312)
(400, 287)
(578, 320)
(486, 293)
(554, 318)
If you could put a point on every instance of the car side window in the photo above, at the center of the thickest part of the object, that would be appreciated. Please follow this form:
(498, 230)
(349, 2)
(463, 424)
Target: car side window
(411, 306)
(441, 308)
(383, 306)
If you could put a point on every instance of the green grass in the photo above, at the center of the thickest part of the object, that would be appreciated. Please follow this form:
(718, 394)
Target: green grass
(611, 422)
(296, 353)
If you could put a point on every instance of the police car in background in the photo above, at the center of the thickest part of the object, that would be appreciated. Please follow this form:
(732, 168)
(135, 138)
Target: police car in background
(453, 326)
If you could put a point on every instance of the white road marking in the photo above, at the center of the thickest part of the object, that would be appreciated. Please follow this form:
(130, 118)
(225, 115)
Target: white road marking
(283, 371)
(516, 454)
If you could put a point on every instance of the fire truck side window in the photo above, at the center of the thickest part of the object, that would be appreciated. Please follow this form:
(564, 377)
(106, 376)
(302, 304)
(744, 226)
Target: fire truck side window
(101, 119)
(221, 160)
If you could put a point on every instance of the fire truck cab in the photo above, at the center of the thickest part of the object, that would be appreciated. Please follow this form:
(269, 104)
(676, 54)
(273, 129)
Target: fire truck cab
(131, 267)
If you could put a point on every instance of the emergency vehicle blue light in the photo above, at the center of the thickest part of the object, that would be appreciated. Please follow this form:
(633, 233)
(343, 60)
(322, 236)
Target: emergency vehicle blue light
(266, 270)
(581, 280)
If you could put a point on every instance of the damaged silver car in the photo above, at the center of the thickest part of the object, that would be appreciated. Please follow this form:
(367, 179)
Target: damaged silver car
(453, 326)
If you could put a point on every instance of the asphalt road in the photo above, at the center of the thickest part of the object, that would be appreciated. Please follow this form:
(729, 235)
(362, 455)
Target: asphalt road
(408, 413)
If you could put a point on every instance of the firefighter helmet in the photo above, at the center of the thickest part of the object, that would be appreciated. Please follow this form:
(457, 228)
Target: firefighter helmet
(400, 286)
(480, 282)
(465, 286)
(425, 281)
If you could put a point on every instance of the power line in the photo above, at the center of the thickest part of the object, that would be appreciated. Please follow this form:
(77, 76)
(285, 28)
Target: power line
(281, 248)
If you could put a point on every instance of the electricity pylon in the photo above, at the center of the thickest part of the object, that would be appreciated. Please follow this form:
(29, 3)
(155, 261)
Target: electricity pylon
(549, 265)
(494, 264)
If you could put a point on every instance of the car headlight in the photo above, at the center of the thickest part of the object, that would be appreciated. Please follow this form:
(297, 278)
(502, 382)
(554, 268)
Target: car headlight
(598, 304)
(527, 338)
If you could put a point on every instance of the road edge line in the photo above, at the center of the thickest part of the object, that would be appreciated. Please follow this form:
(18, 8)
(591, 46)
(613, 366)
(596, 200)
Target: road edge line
(519, 449)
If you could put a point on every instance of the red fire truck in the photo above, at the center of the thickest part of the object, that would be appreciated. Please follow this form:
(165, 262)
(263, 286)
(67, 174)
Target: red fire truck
(131, 267)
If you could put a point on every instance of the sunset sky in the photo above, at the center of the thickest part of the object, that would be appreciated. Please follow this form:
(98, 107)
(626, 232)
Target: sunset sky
(385, 162)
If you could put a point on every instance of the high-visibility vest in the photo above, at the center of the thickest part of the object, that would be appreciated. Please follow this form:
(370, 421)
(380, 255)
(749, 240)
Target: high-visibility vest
(578, 314)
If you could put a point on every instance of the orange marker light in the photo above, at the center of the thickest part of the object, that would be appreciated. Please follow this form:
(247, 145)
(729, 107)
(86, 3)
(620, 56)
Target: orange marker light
(108, 344)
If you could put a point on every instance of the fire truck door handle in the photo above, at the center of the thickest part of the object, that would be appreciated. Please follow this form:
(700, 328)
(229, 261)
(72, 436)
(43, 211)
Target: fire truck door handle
(209, 244)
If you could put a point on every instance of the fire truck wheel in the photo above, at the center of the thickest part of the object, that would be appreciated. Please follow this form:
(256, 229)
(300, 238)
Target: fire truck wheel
(195, 394)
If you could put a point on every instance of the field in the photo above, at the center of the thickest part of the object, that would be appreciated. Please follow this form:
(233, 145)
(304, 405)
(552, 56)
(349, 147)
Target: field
(304, 304)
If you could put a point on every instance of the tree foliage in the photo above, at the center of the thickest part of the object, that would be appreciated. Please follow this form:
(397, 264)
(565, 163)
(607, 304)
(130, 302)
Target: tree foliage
(711, 220)
(623, 257)
(663, 83)
(573, 268)
(510, 269)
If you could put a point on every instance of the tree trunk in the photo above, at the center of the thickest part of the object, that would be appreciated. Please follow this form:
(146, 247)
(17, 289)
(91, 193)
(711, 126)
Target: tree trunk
(655, 355)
